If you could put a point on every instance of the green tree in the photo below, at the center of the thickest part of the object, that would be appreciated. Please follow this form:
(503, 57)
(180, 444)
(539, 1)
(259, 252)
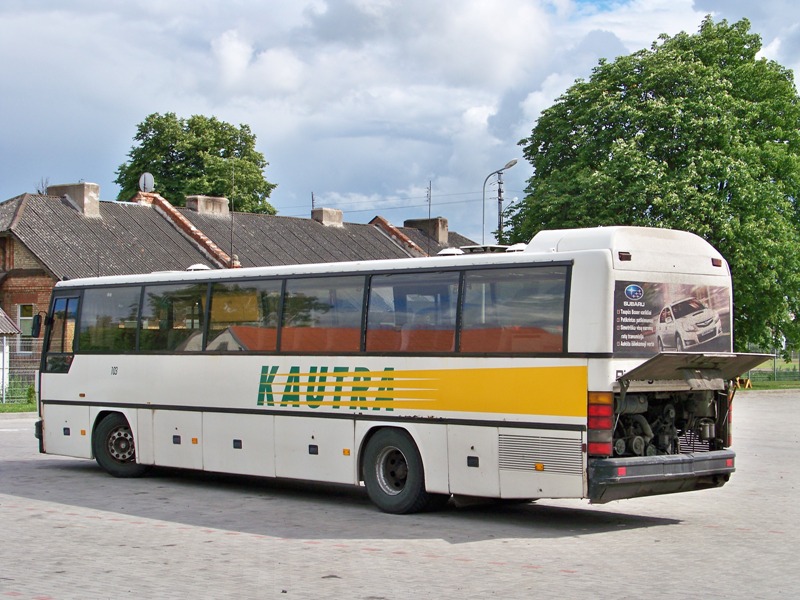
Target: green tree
(198, 155)
(695, 133)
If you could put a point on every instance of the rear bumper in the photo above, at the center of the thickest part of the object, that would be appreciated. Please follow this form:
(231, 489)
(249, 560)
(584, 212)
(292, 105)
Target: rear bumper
(617, 478)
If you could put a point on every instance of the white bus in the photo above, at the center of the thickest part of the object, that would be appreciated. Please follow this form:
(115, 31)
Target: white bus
(517, 375)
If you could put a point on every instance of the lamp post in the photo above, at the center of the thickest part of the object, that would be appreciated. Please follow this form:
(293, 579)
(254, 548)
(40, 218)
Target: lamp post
(499, 173)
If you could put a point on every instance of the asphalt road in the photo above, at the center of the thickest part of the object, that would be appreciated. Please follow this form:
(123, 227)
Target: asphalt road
(68, 530)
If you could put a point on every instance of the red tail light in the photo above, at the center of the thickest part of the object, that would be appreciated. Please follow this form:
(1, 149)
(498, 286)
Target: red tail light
(600, 423)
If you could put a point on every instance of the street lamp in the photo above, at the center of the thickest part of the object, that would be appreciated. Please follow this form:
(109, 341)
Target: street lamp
(499, 173)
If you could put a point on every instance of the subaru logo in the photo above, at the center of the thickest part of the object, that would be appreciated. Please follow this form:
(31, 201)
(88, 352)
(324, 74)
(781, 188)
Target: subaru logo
(634, 292)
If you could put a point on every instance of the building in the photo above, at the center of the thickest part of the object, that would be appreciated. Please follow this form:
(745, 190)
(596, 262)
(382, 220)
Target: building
(69, 233)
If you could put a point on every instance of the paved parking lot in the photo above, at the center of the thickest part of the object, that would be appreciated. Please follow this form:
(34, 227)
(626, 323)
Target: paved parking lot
(68, 530)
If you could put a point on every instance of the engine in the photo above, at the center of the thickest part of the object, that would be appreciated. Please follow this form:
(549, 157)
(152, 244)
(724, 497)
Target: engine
(669, 423)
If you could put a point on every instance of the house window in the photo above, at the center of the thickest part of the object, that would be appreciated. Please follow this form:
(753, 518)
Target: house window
(25, 323)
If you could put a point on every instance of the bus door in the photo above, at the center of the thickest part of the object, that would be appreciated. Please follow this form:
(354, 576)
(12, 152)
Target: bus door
(65, 427)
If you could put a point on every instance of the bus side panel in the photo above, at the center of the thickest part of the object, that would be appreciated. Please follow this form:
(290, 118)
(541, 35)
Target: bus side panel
(315, 449)
(541, 463)
(241, 444)
(473, 460)
(145, 437)
(67, 430)
(177, 437)
(431, 441)
(591, 304)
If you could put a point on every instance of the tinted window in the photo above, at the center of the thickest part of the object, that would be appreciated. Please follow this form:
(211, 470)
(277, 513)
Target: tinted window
(108, 319)
(412, 312)
(172, 318)
(61, 336)
(322, 314)
(687, 307)
(244, 316)
(514, 310)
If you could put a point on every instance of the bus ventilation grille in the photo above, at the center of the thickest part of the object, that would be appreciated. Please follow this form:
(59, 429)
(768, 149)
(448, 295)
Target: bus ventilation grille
(558, 455)
(690, 442)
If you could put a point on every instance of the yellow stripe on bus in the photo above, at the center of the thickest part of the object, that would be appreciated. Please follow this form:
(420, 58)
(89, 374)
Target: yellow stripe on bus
(557, 391)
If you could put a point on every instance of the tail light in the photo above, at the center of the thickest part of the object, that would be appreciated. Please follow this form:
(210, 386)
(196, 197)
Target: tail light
(600, 423)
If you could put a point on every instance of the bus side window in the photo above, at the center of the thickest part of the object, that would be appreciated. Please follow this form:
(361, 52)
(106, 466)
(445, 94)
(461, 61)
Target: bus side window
(412, 312)
(172, 318)
(60, 335)
(517, 310)
(322, 314)
(244, 316)
(108, 320)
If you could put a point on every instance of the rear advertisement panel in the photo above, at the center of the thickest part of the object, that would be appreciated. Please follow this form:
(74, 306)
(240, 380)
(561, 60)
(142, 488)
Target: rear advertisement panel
(652, 317)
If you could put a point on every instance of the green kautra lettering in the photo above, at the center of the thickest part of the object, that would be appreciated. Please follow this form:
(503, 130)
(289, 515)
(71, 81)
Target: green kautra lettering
(385, 389)
(337, 397)
(314, 400)
(265, 386)
(356, 398)
(291, 391)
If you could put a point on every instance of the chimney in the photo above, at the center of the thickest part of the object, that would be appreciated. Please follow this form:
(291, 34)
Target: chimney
(330, 217)
(209, 205)
(435, 228)
(85, 196)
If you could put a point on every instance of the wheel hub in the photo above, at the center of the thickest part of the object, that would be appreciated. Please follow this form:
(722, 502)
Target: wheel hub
(120, 445)
(392, 471)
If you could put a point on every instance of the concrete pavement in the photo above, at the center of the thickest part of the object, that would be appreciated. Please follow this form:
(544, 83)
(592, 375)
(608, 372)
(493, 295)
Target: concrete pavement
(68, 530)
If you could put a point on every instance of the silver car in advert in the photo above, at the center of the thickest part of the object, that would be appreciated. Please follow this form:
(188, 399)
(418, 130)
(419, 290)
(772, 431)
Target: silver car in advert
(686, 323)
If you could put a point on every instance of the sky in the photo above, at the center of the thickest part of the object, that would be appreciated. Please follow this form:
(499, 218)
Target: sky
(366, 104)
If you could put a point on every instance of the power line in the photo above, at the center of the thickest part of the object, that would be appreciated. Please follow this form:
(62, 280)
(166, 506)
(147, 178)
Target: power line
(378, 206)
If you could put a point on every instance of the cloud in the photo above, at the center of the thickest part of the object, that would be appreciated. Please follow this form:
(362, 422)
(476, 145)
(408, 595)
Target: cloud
(363, 102)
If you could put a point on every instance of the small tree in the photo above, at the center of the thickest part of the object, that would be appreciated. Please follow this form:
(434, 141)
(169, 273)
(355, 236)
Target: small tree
(199, 155)
(697, 134)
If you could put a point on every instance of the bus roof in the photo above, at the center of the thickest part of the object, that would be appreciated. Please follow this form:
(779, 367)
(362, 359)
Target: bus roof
(628, 239)
(650, 246)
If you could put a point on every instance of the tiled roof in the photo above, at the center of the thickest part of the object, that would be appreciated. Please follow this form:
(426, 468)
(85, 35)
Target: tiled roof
(141, 238)
(7, 326)
(261, 240)
(128, 238)
(429, 245)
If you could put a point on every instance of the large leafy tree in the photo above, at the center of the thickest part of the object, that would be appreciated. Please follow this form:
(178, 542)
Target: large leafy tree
(198, 155)
(696, 133)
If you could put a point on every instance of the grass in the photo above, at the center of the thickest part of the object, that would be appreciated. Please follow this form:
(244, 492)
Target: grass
(17, 407)
(776, 385)
(779, 364)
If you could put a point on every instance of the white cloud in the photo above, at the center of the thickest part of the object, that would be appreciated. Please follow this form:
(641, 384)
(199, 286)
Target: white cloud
(361, 101)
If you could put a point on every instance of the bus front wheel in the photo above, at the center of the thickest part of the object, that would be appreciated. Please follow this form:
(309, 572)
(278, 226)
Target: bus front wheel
(114, 449)
(394, 476)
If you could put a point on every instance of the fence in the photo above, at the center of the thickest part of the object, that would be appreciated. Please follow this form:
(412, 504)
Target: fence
(19, 368)
(778, 370)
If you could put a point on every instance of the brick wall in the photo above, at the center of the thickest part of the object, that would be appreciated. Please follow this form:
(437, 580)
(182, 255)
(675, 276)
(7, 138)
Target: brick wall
(26, 282)
(22, 258)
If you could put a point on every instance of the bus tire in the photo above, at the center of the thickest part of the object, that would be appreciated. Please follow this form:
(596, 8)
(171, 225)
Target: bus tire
(394, 475)
(113, 446)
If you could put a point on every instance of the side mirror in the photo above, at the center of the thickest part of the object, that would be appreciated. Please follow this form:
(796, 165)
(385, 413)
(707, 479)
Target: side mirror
(36, 326)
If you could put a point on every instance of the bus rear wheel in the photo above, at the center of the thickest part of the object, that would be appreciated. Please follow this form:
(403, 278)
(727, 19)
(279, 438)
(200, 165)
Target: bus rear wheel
(394, 475)
(114, 449)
